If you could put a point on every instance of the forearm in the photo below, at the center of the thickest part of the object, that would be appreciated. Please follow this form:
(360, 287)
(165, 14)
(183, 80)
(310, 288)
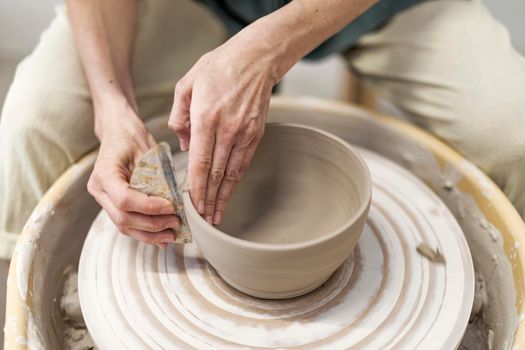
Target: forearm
(104, 33)
(287, 35)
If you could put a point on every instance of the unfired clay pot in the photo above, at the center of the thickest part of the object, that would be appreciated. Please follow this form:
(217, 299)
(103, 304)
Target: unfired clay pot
(295, 218)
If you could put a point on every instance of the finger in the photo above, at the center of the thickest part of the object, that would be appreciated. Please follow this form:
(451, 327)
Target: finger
(163, 236)
(93, 186)
(148, 223)
(199, 163)
(243, 156)
(229, 182)
(126, 220)
(159, 238)
(129, 200)
(252, 147)
(248, 156)
(179, 120)
(221, 153)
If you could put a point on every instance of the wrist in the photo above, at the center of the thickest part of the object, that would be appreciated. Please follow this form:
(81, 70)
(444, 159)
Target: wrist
(115, 114)
(275, 43)
(287, 35)
(105, 93)
(253, 52)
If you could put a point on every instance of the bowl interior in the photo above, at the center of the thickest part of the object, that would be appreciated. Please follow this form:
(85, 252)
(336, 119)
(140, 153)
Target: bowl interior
(302, 184)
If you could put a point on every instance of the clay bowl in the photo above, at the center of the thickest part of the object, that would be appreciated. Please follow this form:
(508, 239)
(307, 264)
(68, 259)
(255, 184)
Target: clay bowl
(295, 217)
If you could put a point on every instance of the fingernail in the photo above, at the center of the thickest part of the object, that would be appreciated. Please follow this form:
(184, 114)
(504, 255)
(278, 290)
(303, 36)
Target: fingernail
(200, 207)
(217, 217)
(208, 218)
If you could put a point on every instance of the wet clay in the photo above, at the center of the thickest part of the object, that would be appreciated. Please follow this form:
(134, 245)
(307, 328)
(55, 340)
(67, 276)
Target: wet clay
(385, 295)
(298, 188)
(276, 235)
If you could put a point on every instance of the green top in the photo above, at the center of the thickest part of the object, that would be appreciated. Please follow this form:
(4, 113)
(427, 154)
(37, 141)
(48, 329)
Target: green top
(237, 14)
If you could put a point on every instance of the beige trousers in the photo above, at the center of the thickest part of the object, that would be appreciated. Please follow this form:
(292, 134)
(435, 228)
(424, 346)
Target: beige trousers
(447, 65)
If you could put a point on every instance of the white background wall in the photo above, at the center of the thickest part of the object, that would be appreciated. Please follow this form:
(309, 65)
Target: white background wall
(21, 23)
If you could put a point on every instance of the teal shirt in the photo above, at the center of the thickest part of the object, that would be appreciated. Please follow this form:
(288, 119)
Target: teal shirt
(236, 14)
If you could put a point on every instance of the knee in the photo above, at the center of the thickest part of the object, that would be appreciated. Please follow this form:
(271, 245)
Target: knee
(489, 128)
(25, 140)
(31, 146)
(24, 114)
(487, 123)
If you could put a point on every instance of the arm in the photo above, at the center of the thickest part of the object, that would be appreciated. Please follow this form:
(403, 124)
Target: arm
(104, 34)
(105, 47)
(220, 106)
(301, 26)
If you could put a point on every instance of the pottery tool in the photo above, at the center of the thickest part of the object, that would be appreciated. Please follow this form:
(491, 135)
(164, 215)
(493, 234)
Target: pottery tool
(154, 176)
(386, 296)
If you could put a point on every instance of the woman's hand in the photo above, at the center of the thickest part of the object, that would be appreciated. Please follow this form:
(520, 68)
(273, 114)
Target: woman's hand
(220, 105)
(135, 214)
(104, 35)
(219, 113)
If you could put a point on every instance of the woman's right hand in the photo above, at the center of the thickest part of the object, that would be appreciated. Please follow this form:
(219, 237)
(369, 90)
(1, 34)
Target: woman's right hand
(123, 140)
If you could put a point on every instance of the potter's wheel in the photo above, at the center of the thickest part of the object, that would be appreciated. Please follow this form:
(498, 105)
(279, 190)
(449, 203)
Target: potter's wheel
(387, 295)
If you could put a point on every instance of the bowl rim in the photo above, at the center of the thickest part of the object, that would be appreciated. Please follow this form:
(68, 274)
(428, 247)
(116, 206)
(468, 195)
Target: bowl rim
(364, 205)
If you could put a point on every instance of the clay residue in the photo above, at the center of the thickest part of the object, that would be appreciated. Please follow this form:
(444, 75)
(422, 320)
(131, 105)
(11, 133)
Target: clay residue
(493, 324)
(433, 255)
(76, 336)
(479, 335)
(26, 248)
(77, 339)
(69, 302)
(25, 255)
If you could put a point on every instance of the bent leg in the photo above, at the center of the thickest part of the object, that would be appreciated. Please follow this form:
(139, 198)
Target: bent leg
(449, 67)
(46, 124)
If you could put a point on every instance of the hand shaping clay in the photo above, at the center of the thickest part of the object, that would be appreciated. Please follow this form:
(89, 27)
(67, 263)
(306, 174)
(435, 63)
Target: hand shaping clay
(385, 296)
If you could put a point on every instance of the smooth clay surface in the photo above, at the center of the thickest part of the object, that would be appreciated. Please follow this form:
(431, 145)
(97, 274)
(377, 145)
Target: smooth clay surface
(385, 296)
(295, 218)
(300, 186)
